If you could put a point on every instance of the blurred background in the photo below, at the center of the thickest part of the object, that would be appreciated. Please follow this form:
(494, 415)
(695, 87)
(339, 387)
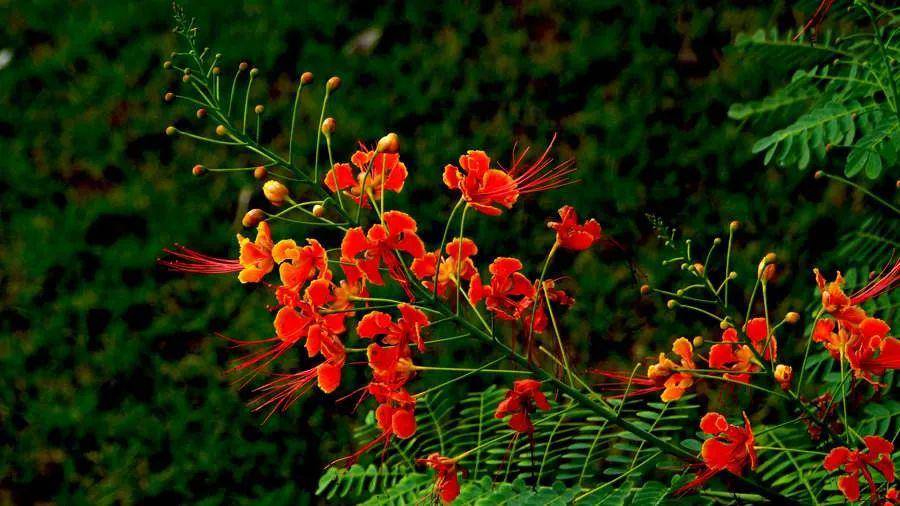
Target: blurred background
(113, 386)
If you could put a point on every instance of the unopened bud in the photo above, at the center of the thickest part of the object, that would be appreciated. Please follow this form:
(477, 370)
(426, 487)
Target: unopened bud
(390, 143)
(717, 241)
(306, 77)
(645, 289)
(732, 275)
(259, 109)
(170, 131)
(201, 113)
(734, 225)
(243, 66)
(783, 375)
(819, 174)
(724, 324)
(698, 268)
(333, 83)
(167, 64)
(766, 268)
(260, 172)
(185, 78)
(318, 210)
(672, 304)
(198, 170)
(792, 317)
(217, 70)
(698, 341)
(221, 130)
(328, 126)
(253, 218)
(187, 72)
(254, 72)
(275, 191)
(168, 97)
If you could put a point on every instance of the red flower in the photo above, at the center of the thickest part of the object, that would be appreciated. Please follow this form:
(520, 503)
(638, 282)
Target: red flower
(728, 356)
(836, 302)
(254, 262)
(486, 190)
(380, 246)
(758, 331)
(730, 449)
(871, 351)
(556, 296)
(408, 328)
(371, 175)
(395, 416)
(459, 258)
(854, 462)
(571, 235)
(520, 402)
(298, 264)
(509, 292)
(446, 471)
(665, 375)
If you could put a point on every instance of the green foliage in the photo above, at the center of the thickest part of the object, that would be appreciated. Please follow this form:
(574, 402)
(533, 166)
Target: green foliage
(841, 98)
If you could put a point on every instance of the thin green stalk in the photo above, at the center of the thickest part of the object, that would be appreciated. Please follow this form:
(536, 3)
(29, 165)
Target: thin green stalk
(294, 122)
(863, 190)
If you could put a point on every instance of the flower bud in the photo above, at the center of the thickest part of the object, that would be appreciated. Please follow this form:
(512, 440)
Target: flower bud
(318, 210)
(717, 241)
(185, 78)
(217, 70)
(732, 275)
(792, 317)
(167, 64)
(390, 143)
(333, 83)
(221, 130)
(734, 225)
(645, 289)
(724, 324)
(260, 172)
(201, 113)
(253, 218)
(254, 72)
(698, 268)
(306, 77)
(766, 268)
(672, 304)
(819, 174)
(170, 131)
(275, 191)
(328, 126)
(259, 109)
(187, 72)
(698, 341)
(198, 170)
(243, 66)
(168, 97)
(783, 375)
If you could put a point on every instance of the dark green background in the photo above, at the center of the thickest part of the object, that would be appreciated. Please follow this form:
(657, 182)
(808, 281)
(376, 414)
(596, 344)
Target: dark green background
(112, 385)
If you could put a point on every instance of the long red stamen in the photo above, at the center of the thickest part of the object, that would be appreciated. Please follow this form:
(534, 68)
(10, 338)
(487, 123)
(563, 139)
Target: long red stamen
(188, 260)
(283, 391)
(539, 176)
(883, 283)
(624, 381)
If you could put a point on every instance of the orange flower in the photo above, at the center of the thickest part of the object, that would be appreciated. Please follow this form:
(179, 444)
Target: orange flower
(446, 471)
(836, 302)
(758, 331)
(370, 176)
(520, 402)
(458, 265)
(365, 253)
(665, 375)
(395, 416)
(871, 351)
(730, 449)
(509, 292)
(254, 262)
(728, 356)
(571, 235)
(298, 264)
(877, 455)
(783, 375)
(408, 328)
(486, 190)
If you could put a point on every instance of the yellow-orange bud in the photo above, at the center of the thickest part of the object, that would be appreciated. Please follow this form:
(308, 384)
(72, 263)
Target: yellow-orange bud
(275, 191)
(217, 70)
(792, 317)
(167, 64)
(221, 130)
(645, 289)
(253, 217)
(259, 109)
(168, 97)
(333, 83)
(819, 174)
(254, 72)
(783, 375)
(185, 78)
(766, 268)
(698, 268)
(734, 225)
(390, 143)
(260, 172)
(198, 170)
(698, 341)
(306, 77)
(672, 304)
(318, 210)
(170, 131)
(243, 66)
(201, 113)
(328, 126)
